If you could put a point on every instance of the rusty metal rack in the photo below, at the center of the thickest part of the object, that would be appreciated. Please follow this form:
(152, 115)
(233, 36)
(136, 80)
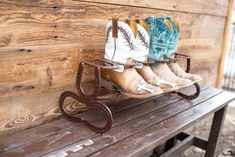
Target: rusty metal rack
(93, 100)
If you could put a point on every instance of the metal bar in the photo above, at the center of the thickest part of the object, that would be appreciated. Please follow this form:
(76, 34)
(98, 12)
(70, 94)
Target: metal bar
(216, 128)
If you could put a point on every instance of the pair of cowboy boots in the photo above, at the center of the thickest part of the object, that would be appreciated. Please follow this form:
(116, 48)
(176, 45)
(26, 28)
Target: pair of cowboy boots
(127, 47)
(164, 38)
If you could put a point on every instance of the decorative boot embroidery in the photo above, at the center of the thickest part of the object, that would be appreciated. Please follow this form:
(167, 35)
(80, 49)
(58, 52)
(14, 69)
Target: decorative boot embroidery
(143, 39)
(127, 36)
(107, 34)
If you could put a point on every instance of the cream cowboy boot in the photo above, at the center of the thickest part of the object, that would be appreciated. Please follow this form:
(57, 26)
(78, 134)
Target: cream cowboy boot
(119, 50)
(141, 51)
(173, 45)
(160, 31)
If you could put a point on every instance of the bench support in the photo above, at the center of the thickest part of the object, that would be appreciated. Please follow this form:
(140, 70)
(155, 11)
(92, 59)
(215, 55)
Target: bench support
(88, 102)
(215, 131)
(188, 140)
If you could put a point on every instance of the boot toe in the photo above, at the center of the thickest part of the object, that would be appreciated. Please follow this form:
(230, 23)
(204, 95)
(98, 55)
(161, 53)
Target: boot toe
(184, 82)
(195, 77)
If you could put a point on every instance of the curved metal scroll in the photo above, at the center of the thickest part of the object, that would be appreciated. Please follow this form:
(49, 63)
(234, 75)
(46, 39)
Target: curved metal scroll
(88, 99)
(192, 96)
(85, 100)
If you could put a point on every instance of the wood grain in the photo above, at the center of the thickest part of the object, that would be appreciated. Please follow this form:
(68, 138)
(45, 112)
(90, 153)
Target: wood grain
(132, 126)
(226, 43)
(211, 7)
(144, 141)
(78, 23)
(27, 67)
(122, 117)
(42, 42)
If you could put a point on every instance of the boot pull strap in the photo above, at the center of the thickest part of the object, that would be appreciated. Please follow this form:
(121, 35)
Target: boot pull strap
(176, 23)
(169, 25)
(115, 27)
(137, 21)
(143, 24)
(127, 21)
(133, 26)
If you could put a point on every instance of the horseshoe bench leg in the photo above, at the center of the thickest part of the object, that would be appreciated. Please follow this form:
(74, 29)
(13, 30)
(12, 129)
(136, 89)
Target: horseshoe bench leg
(102, 106)
(192, 96)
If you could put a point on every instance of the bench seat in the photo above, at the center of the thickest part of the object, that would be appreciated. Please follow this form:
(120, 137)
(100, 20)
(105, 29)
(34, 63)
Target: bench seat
(139, 126)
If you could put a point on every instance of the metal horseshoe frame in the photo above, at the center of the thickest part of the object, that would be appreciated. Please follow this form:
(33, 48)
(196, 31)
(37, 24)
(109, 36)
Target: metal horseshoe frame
(196, 85)
(92, 101)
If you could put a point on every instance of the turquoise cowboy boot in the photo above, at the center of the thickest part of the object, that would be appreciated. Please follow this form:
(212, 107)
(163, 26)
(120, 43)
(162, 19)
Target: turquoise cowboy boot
(160, 30)
(172, 49)
(141, 51)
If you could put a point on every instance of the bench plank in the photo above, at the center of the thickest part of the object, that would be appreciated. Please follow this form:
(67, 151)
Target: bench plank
(72, 135)
(144, 141)
(55, 127)
(63, 125)
(82, 130)
(140, 123)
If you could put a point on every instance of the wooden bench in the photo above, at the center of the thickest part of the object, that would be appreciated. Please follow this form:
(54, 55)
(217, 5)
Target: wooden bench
(139, 126)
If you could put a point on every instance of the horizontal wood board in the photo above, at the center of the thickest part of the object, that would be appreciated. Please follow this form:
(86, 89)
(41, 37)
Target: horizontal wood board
(42, 42)
(158, 114)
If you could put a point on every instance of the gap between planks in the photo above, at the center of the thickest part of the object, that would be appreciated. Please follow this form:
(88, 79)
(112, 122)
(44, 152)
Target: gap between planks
(163, 9)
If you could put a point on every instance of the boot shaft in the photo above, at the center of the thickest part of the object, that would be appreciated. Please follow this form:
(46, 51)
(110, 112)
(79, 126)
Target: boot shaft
(120, 40)
(174, 38)
(160, 30)
(141, 47)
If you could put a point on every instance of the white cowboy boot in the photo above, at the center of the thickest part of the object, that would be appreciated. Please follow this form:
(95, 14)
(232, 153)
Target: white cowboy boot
(119, 50)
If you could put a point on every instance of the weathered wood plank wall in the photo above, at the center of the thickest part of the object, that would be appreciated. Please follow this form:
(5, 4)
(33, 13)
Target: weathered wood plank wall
(42, 42)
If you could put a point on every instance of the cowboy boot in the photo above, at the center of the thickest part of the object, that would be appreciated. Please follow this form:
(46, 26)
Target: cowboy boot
(172, 49)
(141, 51)
(119, 51)
(160, 31)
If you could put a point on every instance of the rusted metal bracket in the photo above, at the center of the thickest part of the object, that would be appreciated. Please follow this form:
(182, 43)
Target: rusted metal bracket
(91, 99)
(89, 102)
(88, 99)
(188, 59)
(192, 96)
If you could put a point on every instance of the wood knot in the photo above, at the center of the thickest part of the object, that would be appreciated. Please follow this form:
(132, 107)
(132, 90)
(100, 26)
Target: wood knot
(24, 50)
(175, 6)
(19, 87)
(18, 120)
